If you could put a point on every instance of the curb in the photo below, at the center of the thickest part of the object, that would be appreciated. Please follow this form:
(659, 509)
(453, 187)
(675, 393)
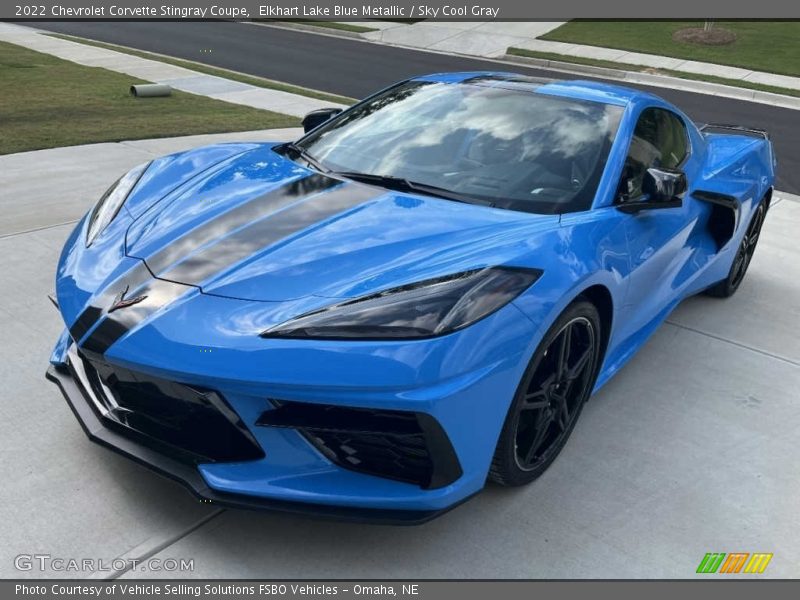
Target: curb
(786, 196)
(665, 81)
(309, 28)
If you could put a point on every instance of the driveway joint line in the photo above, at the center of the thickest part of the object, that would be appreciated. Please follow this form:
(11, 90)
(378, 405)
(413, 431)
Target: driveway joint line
(735, 343)
(163, 545)
(35, 229)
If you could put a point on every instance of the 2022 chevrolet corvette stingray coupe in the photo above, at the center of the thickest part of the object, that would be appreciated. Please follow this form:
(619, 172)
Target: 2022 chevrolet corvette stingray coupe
(417, 296)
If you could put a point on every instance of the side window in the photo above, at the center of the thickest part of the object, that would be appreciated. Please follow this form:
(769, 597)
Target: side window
(659, 140)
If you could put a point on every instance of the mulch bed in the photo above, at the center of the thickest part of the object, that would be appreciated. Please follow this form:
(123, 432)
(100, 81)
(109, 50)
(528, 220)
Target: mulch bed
(716, 36)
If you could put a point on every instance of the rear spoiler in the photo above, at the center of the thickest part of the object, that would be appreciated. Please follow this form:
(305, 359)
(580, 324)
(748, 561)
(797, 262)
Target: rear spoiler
(735, 129)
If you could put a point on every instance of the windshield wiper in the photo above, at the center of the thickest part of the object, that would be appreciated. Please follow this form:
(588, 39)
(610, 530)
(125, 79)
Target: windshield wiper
(302, 153)
(404, 185)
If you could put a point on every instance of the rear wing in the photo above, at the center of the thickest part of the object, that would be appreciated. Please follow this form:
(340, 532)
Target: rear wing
(738, 129)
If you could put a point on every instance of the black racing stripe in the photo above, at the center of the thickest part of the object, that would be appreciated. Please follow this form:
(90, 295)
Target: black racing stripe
(254, 232)
(158, 294)
(238, 246)
(132, 279)
(84, 322)
(248, 212)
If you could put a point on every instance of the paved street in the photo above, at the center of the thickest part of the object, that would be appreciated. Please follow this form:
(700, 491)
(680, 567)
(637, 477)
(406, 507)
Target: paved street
(692, 448)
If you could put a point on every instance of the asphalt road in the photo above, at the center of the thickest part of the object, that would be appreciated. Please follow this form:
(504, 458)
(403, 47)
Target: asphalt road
(356, 68)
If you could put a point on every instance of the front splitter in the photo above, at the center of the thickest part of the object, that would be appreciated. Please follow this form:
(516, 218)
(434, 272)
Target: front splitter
(188, 475)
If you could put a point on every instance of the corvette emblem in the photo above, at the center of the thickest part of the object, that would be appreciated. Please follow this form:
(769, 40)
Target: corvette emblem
(121, 302)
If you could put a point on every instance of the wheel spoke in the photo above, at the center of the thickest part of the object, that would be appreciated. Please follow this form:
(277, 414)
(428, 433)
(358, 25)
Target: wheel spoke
(737, 264)
(542, 427)
(536, 400)
(748, 257)
(562, 412)
(757, 220)
(563, 355)
(755, 228)
(577, 369)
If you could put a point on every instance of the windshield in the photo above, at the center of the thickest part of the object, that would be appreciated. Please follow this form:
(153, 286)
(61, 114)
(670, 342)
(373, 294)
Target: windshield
(510, 148)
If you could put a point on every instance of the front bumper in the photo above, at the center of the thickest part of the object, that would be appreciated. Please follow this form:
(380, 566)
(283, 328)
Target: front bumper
(190, 477)
(293, 471)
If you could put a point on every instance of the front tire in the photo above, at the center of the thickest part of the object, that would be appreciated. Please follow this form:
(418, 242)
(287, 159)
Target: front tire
(744, 254)
(550, 397)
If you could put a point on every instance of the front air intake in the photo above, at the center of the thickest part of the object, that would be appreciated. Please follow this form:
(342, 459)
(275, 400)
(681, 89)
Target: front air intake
(188, 423)
(402, 445)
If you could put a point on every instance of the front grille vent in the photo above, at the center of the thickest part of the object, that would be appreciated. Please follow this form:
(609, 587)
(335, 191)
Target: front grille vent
(406, 446)
(188, 423)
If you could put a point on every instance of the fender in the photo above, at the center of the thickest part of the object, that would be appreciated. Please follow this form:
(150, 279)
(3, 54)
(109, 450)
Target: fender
(168, 173)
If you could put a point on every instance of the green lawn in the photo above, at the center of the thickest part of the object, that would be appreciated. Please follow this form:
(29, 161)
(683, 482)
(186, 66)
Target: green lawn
(46, 102)
(216, 71)
(772, 46)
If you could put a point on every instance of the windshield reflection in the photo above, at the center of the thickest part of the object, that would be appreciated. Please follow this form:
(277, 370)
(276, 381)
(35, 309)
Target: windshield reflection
(511, 148)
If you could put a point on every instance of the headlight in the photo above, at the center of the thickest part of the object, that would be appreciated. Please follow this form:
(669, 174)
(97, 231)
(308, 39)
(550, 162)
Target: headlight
(421, 310)
(109, 205)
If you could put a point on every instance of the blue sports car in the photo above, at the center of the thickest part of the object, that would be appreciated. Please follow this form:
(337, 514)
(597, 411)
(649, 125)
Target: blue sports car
(416, 297)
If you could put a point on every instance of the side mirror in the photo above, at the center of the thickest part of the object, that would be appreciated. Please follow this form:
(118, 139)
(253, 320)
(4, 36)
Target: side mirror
(662, 188)
(664, 185)
(317, 117)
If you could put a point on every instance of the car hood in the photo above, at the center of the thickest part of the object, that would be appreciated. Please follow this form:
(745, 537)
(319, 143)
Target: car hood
(263, 228)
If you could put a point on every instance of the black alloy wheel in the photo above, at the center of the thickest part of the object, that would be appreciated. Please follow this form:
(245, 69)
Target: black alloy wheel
(550, 397)
(744, 254)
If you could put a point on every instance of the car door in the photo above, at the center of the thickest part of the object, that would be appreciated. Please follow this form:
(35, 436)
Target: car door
(662, 242)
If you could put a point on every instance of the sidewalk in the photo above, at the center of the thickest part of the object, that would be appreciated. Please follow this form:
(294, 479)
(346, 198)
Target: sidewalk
(492, 39)
(30, 203)
(178, 78)
(662, 62)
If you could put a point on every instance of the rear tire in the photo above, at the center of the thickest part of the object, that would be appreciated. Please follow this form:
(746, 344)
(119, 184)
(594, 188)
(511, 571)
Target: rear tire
(550, 397)
(744, 254)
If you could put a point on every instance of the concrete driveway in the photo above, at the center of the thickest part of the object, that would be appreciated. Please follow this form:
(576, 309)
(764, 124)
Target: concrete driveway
(692, 448)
